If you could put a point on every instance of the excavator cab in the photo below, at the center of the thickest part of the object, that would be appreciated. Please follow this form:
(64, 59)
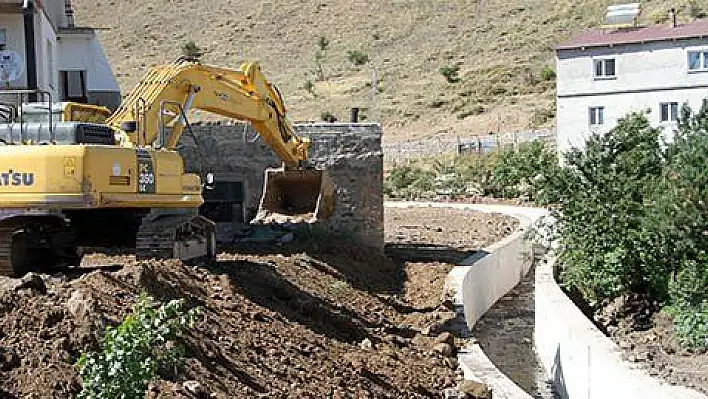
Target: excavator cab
(293, 196)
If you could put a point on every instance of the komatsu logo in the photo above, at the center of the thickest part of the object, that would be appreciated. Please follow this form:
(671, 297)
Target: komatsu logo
(13, 178)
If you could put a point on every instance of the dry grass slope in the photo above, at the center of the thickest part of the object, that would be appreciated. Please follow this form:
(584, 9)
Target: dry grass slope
(500, 48)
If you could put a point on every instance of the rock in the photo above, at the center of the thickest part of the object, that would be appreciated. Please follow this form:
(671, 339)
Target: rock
(444, 349)
(475, 390)
(32, 281)
(195, 388)
(366, 344)
(626, 345)
(397, 340)
(451, 393)
(420, 340)
(8, 359)
(445, 338)
(81, 305)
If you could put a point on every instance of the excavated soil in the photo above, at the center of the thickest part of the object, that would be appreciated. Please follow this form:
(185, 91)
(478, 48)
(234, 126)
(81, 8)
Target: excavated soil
(647, 338)
(344, 323)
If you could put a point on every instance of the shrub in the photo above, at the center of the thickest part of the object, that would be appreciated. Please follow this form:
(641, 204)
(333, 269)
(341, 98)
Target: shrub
(542, 115)
(322, 43)
(691, 325)
(680, 214)
(408, 182)
(132, 353)
(475, 110)
(327, 116)
(450, 73)
(522, 172)
(548, 74)
(633, 218)
(357, 57)
(477, 170)
(191, 50)
(696, 10)
(309, 87)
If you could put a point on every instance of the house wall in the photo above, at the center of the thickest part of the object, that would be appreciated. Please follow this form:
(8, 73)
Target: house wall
(54, 9)
(646, 75)
(66, 51)
(14, 27)
(46, 50)
(573, 123)
(84, 52)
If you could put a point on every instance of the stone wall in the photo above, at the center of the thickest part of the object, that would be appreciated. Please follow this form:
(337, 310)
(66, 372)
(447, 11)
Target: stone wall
(351, 153)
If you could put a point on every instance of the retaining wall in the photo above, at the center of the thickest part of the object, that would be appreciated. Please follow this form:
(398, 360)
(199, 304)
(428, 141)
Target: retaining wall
(581, 360)
(351, 153)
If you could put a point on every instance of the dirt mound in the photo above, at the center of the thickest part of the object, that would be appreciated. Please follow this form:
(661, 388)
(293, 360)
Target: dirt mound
(264, 331)
(332, 324)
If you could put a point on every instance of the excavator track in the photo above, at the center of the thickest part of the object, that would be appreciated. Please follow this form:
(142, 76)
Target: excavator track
(157, 240)
(167, 237)
(6, 268)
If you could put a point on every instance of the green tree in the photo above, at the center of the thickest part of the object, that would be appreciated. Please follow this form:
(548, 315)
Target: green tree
(606, 249)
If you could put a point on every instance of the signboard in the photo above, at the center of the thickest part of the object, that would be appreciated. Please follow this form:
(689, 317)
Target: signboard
(11, 66)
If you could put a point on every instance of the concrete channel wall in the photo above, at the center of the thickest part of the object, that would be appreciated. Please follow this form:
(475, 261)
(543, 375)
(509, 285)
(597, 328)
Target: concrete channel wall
(486, 278)
(580, 359)
(480, 281)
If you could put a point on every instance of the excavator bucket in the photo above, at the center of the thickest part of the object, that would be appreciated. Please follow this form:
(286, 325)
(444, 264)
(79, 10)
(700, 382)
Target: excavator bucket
(295, 196)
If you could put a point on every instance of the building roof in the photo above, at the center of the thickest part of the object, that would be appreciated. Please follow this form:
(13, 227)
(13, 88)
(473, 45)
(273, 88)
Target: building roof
(653, 33)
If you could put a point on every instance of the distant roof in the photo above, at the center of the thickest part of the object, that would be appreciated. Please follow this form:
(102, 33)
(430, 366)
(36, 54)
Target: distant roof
(653, 33)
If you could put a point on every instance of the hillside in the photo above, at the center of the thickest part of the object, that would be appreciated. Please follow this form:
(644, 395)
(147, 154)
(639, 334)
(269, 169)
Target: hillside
(501, 48)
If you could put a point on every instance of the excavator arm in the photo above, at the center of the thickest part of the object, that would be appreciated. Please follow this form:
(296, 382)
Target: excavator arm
(167, 93)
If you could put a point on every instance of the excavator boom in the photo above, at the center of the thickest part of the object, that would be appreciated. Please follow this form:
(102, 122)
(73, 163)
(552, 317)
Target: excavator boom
(168, 92)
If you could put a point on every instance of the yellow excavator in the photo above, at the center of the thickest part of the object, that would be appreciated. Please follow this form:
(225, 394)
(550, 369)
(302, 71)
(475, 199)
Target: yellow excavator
(119, 182)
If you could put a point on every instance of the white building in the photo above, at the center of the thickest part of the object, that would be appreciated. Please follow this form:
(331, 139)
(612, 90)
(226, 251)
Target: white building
(40, 48)
(604, 75)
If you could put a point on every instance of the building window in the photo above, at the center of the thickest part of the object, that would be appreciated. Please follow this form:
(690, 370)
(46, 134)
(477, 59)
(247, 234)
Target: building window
(597, 116)
(669, 112)
(698, 60)
(73, 86)
(605, 68)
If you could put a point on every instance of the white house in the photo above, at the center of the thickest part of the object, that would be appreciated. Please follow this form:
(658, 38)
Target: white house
(40, 48)
(602, 75)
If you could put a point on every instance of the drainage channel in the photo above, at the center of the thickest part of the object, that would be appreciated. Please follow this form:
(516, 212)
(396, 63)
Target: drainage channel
(505, 333)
